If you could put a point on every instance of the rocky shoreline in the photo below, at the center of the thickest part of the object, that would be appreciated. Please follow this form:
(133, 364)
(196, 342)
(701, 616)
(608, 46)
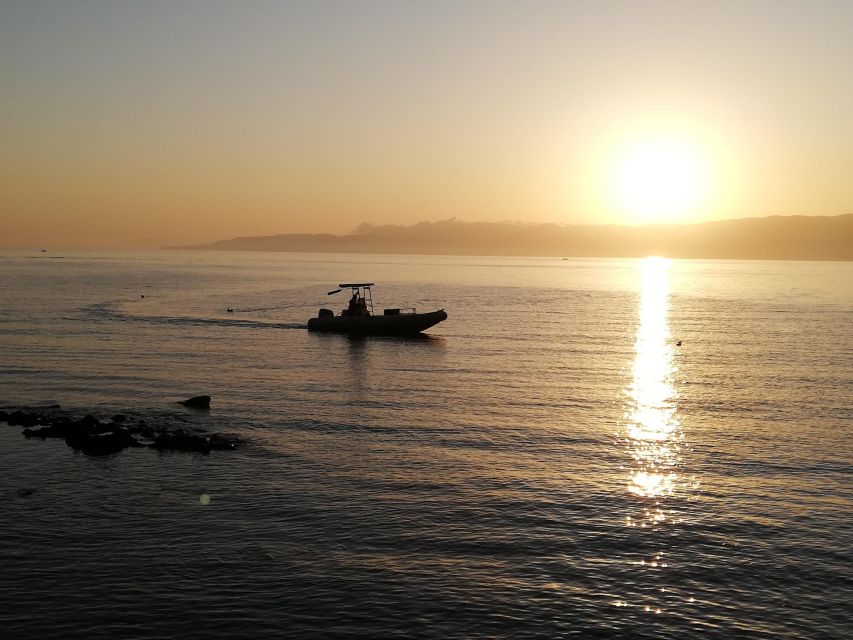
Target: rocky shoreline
(92, 436)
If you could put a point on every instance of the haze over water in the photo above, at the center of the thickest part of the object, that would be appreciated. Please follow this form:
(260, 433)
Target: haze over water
(547, 462)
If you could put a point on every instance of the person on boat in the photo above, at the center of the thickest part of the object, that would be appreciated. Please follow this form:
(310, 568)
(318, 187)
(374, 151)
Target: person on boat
(352, 310)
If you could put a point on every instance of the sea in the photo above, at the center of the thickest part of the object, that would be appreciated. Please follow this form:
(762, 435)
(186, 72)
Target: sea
(587, 448)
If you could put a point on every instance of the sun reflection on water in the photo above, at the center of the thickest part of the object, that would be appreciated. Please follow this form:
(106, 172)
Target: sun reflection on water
(653, 433)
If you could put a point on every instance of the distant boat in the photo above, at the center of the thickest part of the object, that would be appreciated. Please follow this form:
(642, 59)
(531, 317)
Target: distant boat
(358, 317)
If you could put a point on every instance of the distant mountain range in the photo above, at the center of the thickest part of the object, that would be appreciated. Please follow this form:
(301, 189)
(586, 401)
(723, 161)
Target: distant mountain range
(771, 238)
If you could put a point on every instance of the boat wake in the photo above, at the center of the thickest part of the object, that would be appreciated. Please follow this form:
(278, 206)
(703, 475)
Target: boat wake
(109, 311)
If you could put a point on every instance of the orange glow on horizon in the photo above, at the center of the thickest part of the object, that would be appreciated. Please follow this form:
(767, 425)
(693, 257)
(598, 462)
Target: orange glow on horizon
(126, 129)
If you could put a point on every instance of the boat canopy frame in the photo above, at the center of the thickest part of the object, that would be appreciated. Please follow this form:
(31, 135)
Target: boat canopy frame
(362, 289)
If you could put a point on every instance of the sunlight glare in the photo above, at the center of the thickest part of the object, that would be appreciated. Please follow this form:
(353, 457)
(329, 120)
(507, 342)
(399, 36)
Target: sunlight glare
(659, 181)
(653, 429)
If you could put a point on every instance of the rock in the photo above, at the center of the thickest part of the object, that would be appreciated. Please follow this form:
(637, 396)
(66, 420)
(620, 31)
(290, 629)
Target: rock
(101, 444)
(224, 442)
(197, 402)
(89, 421)
(147, 432)
(93, 437)
(22, 419)
(181, 440)
(63, 427)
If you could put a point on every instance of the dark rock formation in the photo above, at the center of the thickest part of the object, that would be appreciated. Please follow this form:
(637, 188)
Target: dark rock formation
(181, 440)
(197, 402)
(89, 422)
(65, 426)
(93, 437)
(99, 444)
(224, 442)
(22, 419)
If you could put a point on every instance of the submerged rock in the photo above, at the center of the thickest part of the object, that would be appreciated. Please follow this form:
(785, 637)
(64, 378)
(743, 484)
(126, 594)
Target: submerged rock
(63, 427)
(93, 437)
(182, 440)
(197, 402)
(22, 419)
(89, 422)
(224, 442)
(100, 444)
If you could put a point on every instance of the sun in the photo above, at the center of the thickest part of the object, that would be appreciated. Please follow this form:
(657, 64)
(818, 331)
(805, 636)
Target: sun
(659, 181)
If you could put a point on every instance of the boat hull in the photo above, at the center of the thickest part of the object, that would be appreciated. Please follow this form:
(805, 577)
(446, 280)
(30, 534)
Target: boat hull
(390, 325)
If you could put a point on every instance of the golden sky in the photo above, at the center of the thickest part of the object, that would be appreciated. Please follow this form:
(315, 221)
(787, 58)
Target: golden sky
(135, 124)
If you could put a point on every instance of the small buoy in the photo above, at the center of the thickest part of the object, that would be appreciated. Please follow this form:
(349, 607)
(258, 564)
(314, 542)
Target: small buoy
(142, 296)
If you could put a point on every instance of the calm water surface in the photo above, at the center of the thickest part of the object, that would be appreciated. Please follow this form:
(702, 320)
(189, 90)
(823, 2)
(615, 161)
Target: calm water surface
(548, 462)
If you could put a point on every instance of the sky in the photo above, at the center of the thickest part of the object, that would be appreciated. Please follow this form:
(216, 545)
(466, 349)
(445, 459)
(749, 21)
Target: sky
(143, 124)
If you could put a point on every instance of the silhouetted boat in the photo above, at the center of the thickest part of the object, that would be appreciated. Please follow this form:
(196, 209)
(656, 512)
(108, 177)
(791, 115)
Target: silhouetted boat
(358, 317)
